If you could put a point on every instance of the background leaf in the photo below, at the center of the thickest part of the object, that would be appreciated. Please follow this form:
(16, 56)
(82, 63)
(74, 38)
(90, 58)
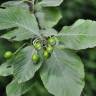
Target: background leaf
(48, 17)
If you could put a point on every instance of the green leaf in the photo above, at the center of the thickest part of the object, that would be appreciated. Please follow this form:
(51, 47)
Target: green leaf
(15, 89)
(48, 17)
(24, 68)
(64, 76)
(81, 35)
(24, 21)
(6, 69)
(37, 90)
(15, 3)
(47, 3)
(49, 32)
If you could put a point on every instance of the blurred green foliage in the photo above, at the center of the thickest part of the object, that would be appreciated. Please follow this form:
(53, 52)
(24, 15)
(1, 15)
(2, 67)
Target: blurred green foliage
(89, 58)
(71, 11)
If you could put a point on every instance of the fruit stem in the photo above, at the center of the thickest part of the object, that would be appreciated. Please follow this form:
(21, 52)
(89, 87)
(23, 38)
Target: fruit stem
(19, 49)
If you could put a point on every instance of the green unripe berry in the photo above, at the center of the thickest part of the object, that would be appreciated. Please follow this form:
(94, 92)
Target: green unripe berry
(35, 58)
(49, 48)
(8, 54)
(46, 54)
(37, 45)
(52, 40)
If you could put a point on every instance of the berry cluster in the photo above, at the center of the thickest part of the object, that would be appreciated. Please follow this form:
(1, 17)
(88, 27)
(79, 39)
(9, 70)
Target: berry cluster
(47, 51)
(51, 41)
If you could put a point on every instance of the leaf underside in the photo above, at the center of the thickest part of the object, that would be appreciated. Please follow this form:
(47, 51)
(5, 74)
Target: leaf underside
(64, 76)
(80, 35)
